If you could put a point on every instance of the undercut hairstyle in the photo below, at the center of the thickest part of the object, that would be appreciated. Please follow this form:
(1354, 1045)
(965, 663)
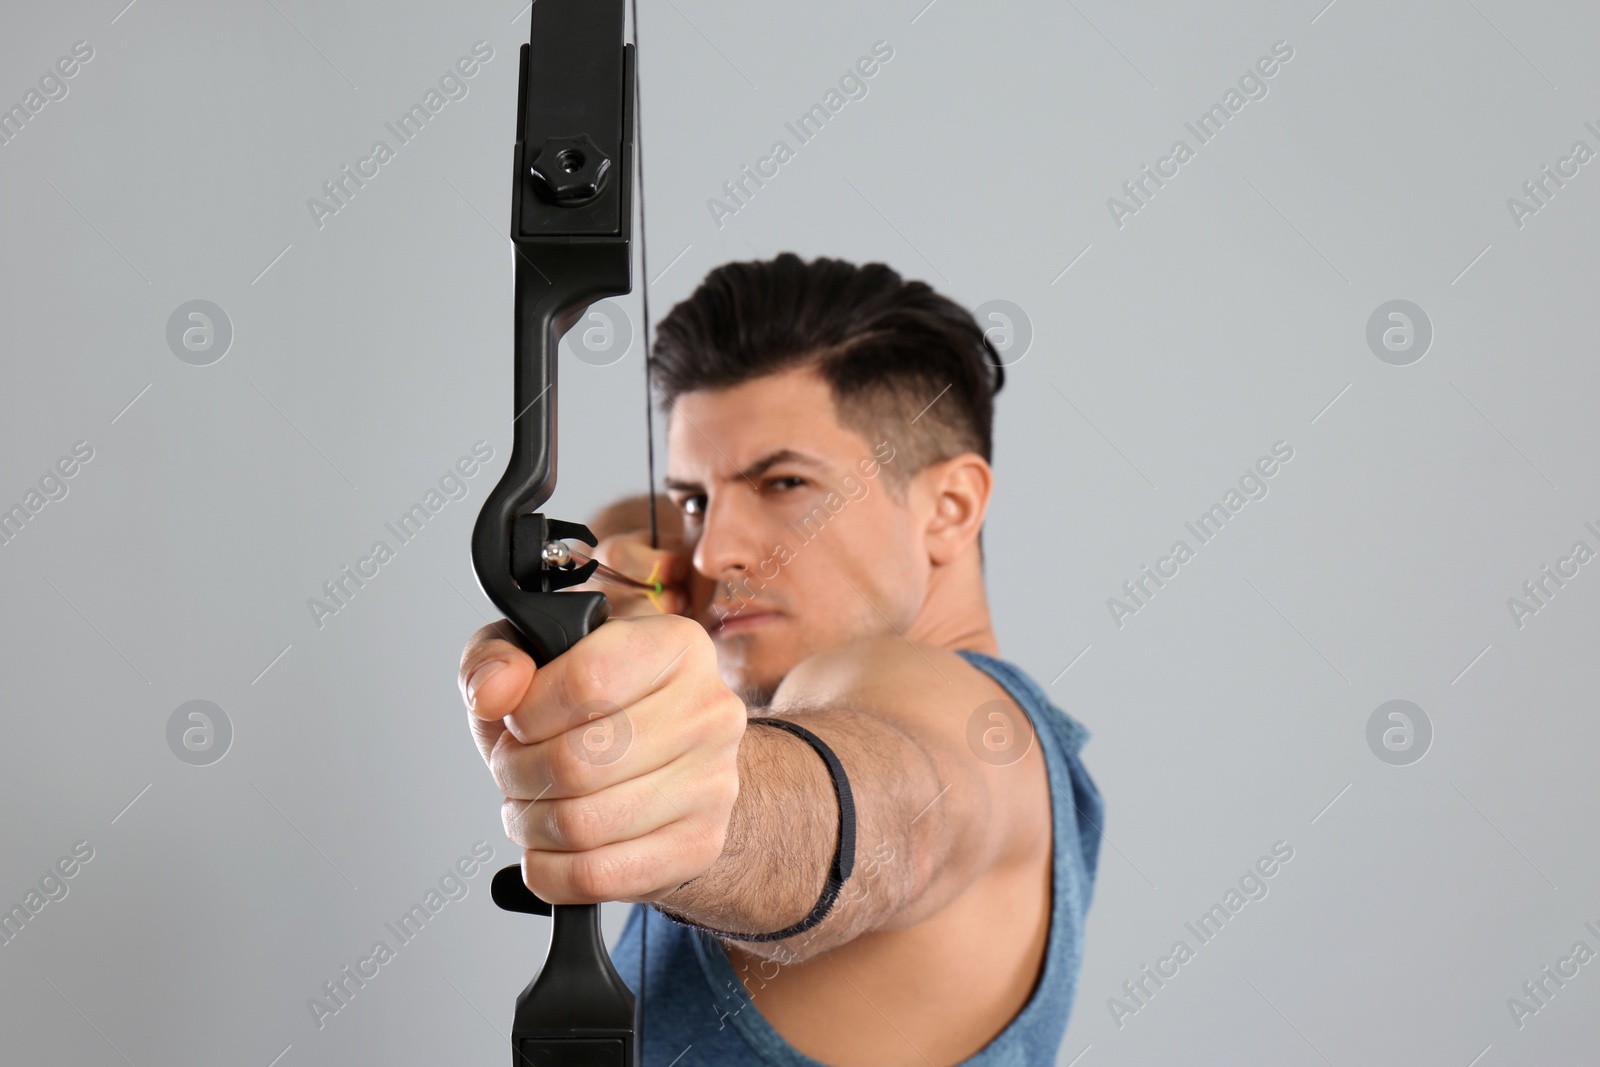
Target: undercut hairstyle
(905, 364)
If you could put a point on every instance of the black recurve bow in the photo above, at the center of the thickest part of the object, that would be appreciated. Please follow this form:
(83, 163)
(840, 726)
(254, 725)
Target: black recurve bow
(571, 216)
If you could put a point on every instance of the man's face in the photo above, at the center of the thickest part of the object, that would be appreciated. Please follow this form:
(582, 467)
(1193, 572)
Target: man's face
(796, 532)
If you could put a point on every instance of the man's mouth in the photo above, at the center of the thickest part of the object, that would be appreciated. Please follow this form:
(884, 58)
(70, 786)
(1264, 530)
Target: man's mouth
(727, 624)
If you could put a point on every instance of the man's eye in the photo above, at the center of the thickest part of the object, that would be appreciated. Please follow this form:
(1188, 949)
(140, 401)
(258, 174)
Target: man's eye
(692, 505)
(790, 482)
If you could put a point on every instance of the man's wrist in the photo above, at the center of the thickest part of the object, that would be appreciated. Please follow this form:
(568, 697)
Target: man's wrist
(840, 864)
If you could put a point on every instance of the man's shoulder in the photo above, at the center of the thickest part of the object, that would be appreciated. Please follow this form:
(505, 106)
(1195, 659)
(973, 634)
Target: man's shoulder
(890, 675)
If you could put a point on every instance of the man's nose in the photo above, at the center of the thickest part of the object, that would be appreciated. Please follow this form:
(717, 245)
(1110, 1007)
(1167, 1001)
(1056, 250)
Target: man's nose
(728, 543)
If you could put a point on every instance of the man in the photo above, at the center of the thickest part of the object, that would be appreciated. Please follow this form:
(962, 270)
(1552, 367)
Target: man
(829, 444)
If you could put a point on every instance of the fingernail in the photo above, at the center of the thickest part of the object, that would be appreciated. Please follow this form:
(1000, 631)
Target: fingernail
(482, 673)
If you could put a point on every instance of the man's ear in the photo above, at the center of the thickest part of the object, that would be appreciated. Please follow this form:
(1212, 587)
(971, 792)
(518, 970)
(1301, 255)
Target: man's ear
(958, 490)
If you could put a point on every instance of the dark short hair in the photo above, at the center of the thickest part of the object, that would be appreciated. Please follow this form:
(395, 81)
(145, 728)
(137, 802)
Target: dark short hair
(904, 363)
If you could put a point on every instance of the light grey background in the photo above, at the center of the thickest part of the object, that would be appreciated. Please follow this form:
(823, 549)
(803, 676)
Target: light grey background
(1228, 314)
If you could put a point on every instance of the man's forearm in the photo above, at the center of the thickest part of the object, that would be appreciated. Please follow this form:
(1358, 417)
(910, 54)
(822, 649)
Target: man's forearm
(785, 829)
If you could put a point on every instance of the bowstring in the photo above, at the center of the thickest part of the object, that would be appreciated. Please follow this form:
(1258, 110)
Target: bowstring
(644, 282)
(649, 422)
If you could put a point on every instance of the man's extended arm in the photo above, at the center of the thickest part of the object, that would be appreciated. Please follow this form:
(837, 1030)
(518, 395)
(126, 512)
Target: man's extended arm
(746, 815)
(928, 817)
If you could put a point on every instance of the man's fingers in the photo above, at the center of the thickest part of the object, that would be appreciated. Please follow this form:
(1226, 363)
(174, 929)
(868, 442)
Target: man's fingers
(600, 745)
(623, 812)
(568, 740)
(632, 555)
(495, 673)
(638, 870)
(661, 572)
(619, 757)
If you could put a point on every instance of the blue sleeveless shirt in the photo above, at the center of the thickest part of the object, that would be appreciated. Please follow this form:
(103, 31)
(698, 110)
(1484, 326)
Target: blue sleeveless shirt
(698, 1014)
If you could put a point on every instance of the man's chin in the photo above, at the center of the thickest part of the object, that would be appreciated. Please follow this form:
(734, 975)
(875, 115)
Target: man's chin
(755, 687)
(748, 667)
(756, 696)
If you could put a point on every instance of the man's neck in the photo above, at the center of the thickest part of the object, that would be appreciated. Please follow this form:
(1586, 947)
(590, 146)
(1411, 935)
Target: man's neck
(955, 613)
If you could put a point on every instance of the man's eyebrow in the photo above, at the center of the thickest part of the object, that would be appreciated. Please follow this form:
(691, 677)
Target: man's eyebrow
(753, 471)
(772, 459)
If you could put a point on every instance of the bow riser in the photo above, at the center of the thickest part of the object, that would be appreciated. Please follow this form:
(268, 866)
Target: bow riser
(571, 220)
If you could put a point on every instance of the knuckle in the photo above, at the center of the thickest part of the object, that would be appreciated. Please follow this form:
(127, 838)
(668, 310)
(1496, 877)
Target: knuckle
(559, 769)
(576, 824)
(727, 798)
(715, 832)
(537, 874)
(593, 877)
(513, 817)
(706, 843)
(698, 637)
(501, 767)
(723, 720)
(735, 715)
(569, 774)
(588, 680)
(676, 636)
(576, 762)
(730, 785)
